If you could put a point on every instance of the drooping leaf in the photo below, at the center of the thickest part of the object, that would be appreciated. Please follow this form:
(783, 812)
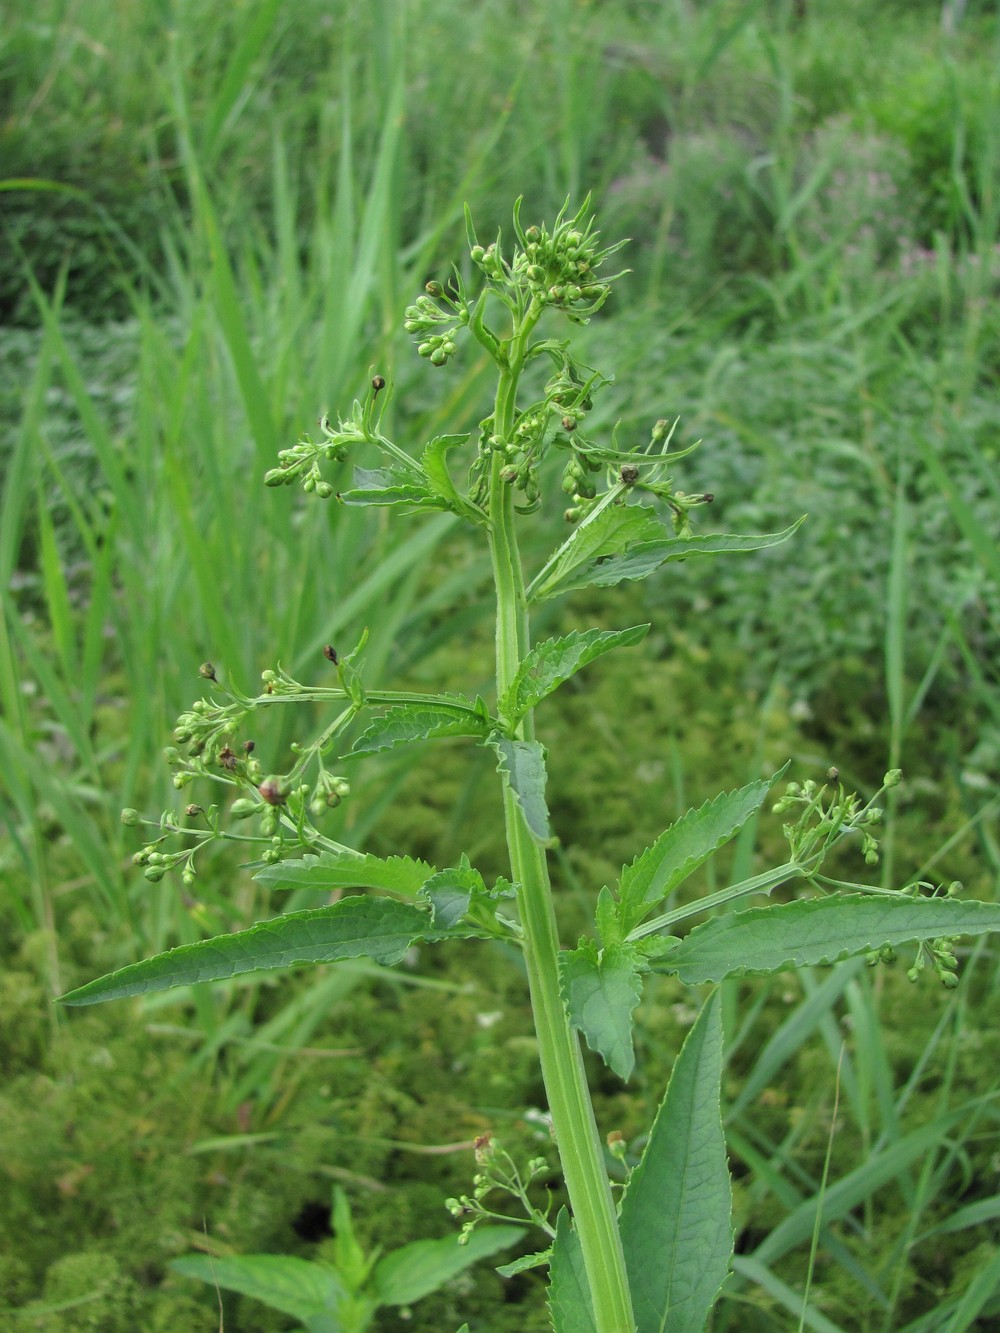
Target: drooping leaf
(570, 1307)
(359, 927)
(675, 1220)
(523, 764)
(683, 847)
(819, 930)
(551, 663)
(642, 558)
(417, 1269)
(298, 1287)
(434, 460)
(601, 989)
(607, 531)
(348, 870)
(406, 723)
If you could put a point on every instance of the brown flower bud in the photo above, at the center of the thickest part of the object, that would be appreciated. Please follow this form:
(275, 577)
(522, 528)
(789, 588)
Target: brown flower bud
(271, 790)
(330, 653)
(378, 383)
(207, 671)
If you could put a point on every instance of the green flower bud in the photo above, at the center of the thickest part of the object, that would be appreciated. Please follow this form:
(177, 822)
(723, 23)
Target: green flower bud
(154, 874)
(425, 349)
(438, 357)
(478, 254)
(949, 980)
(278, 476)
(324, 490)
(141, 857)
(130, 818)
(244, 807)
(434, 289)
(893, 778)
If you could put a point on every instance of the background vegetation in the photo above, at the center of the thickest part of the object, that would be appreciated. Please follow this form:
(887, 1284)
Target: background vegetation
(213, 215)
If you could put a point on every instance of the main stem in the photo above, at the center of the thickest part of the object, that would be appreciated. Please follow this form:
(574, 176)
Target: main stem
(577, 1138)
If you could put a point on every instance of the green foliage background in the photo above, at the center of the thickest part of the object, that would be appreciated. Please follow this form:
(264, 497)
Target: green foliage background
(213, 216)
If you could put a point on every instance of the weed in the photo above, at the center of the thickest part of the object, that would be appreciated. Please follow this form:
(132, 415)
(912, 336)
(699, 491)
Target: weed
(656, 1256)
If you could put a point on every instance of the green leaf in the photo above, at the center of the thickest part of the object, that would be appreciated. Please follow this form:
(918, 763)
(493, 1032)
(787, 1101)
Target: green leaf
(642, 558)
(450, 891)
(390, 486)
(435, 464)
(683, 847)
(605, 532)
(551, 663)
(417, 1269)
(570, 1307)
(601, 988)
(819, 930)
(527, 1261)
(298, 1287)
(406, 723)
(523, 764)
(378, 928)
(348, 870)
(675, 1221)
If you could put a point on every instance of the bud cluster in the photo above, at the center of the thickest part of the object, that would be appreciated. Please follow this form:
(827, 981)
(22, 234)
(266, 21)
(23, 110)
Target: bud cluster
(498, 1171)
(558, 268)
(435, 318)
(301, 463)
(827, 815)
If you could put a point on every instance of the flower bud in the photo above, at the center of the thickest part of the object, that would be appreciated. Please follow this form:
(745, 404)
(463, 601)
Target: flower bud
(893, 778)
(438, 357)
(629, 474)
(154, 874)
(244, 807)
(324, 490)
(273, 791)
(130, 818)
(207, 671)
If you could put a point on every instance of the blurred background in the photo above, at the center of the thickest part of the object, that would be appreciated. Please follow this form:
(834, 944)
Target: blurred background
(212, 217)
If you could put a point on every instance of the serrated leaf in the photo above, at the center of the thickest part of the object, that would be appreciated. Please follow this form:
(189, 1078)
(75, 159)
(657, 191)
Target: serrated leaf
(298, 1287)
(405, 723)
(606, 532)
(378, 928)
(435, 464)
(642, 558)
(526, 1262)
(551, 663)
(609, 930)
(450, 891)
(817, 931)
(408, 1274)
(675, 1217)
(683, 847)
(389, 486)
(348, 870)
(570, 1307)
(523, 765)
(601, 988)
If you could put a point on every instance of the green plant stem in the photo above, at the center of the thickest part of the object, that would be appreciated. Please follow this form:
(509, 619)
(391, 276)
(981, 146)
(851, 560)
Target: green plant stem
(574, 1126)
